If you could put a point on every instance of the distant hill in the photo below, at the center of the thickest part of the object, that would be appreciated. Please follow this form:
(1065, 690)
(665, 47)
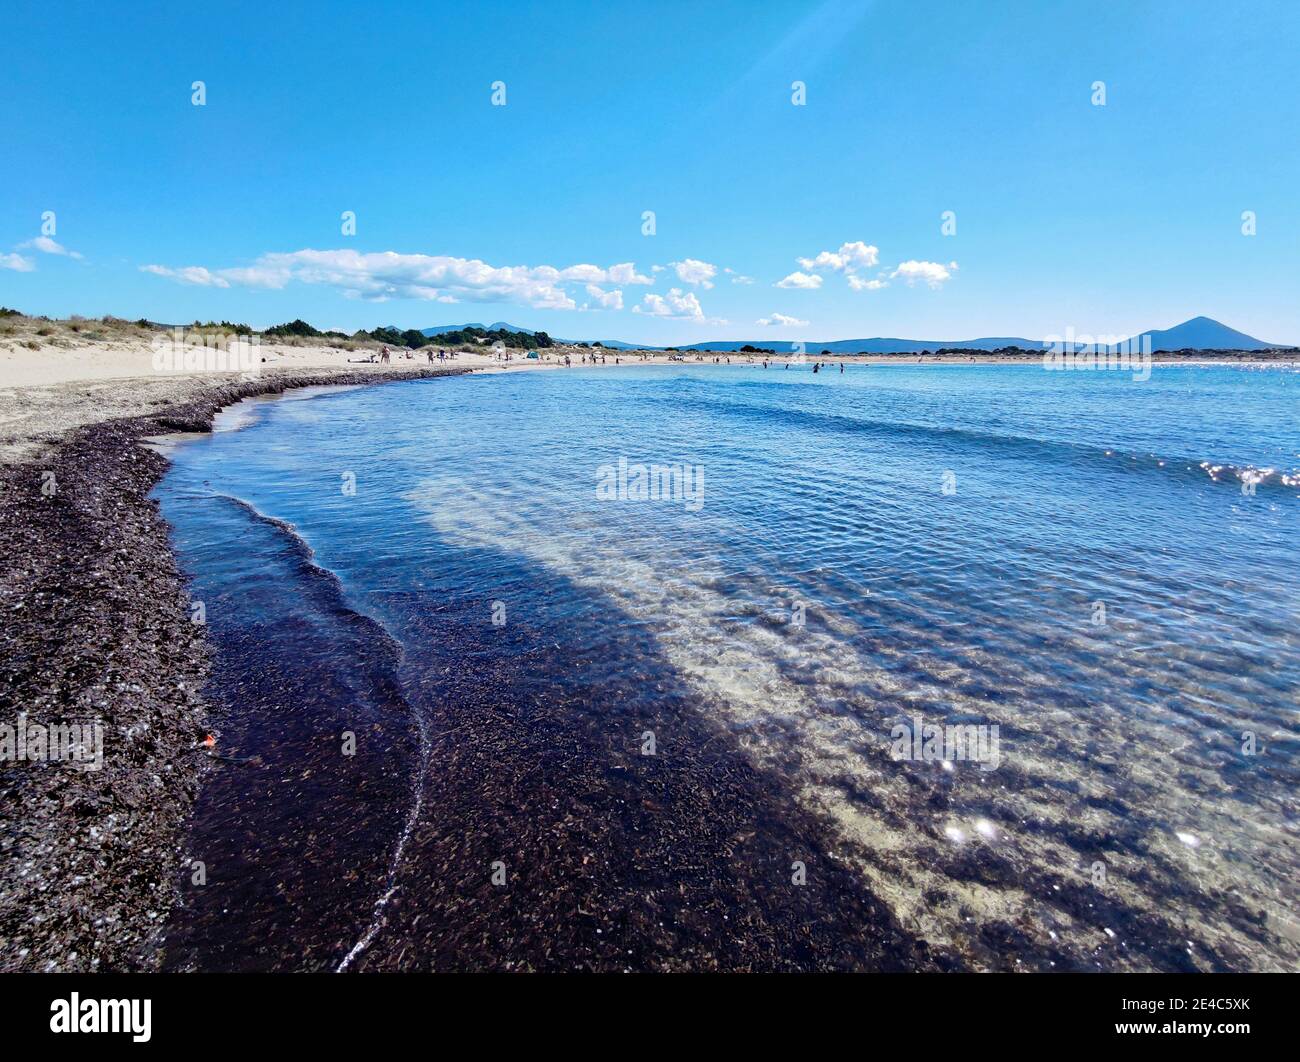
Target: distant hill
(616, 344)
(1200, 333)
(495, 326)
(1203, 333)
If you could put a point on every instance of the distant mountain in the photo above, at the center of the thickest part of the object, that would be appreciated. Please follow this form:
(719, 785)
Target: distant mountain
(496, 326)
(1203, 333)
(616, 344)
(1200, 333)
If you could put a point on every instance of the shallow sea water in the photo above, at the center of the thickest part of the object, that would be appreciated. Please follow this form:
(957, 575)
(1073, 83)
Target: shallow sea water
(1068, 557)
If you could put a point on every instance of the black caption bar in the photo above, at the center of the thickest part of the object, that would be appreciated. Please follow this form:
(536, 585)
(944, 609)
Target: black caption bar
(236, 1010)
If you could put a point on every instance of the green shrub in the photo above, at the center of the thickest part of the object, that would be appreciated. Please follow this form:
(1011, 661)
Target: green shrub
(297, 327)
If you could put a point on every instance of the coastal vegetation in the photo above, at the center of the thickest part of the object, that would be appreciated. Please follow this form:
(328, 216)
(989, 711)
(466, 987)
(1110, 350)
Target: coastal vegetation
(299, 327)
(410, 337)
(489, 337)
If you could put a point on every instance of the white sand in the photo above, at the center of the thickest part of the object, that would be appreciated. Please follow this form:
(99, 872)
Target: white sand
(123, 359)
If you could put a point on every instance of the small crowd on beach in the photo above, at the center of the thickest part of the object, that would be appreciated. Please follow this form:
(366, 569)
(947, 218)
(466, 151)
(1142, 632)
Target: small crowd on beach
(384, 356)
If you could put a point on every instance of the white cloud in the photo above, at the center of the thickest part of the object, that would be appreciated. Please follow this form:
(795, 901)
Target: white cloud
(806, 281)
(21, 263)
(932, 273)
(625, 273)
(849, 258)
(675, 304)
(586, 274)
(196, 275)
(693, 271)
(738, 278)
(606, 300)
(780, 320)
(259, 276)
(48, 246)
(859, 284)
(386, 275)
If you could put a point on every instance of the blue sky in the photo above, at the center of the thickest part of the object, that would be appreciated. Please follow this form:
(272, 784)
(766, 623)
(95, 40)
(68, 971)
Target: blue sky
(1107, 219)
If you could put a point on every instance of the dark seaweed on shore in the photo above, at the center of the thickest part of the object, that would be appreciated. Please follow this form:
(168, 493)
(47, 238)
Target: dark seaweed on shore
(96, 624)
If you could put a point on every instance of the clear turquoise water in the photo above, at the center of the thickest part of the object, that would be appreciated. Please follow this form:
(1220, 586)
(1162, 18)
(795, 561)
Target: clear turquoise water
(947, 534)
